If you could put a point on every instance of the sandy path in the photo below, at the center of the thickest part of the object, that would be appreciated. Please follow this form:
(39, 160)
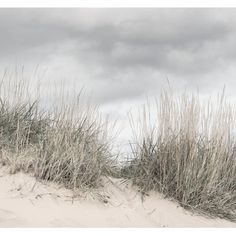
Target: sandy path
(27, 203)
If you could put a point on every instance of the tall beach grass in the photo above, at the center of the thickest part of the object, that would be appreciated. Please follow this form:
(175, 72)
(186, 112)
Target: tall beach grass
(185, 148)
(67, 143)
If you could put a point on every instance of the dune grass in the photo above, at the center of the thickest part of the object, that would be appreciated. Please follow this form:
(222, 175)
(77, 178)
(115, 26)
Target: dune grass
(187, 152)
(66, 144)
(184, 148)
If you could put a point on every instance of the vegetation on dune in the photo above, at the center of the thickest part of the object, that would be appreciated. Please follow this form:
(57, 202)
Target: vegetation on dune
(68, 145)
(188, 153)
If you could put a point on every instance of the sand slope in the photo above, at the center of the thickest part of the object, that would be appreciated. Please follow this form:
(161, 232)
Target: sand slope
(24, 202)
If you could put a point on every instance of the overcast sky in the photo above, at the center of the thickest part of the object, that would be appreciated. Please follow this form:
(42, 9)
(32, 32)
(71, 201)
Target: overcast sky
(122, 55)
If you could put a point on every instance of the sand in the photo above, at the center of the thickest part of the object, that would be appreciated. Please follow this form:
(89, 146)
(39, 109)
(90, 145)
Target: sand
(25, 202)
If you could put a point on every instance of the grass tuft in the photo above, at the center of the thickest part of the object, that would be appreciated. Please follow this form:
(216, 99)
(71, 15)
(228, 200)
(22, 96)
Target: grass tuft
(68, 144)
(188, 153)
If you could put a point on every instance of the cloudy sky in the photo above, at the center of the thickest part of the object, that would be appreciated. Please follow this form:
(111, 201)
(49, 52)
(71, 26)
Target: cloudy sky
(123, 55)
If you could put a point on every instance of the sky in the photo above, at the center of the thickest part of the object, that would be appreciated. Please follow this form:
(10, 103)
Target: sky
(121, 56)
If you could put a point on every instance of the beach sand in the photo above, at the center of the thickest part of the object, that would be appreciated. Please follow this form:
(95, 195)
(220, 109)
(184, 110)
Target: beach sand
(25, 202)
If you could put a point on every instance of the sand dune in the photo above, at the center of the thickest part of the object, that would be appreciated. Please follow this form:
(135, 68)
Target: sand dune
(24, 202)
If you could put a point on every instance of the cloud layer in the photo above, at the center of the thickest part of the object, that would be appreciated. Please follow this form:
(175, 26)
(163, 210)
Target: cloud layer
(124, 54)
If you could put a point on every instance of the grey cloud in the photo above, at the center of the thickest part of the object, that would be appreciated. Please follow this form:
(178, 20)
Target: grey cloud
(168, 45)
(128, 51)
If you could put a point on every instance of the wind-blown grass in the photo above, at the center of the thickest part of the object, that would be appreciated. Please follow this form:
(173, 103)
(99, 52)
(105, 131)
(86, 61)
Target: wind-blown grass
(67, 144)
(188, 153)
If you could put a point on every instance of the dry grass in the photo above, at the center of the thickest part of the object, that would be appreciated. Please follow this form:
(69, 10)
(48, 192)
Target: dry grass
(188, 153)
(66, 144)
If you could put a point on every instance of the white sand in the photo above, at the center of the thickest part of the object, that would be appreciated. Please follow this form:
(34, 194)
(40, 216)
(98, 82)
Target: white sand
(27, 203)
